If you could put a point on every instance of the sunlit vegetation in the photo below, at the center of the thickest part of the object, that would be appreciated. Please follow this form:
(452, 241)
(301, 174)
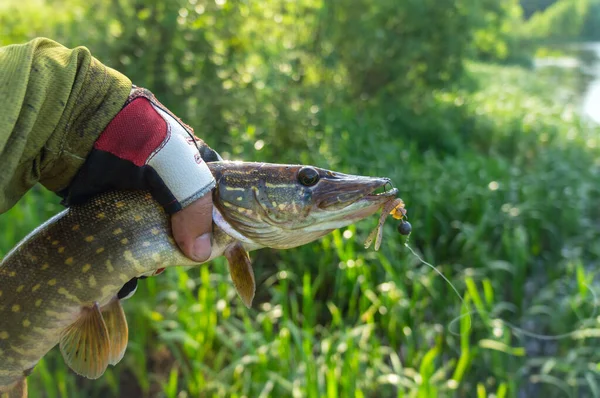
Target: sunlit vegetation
(500, 175)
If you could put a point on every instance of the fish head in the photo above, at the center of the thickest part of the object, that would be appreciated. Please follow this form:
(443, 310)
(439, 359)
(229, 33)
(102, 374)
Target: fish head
(284, 206)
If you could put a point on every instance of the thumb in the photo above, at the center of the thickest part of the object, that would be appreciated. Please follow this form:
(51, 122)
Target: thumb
(192, 228)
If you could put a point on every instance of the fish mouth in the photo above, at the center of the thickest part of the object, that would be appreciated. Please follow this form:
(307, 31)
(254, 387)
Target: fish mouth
(373, 201)
(363, 197)
(381, 196)
(352, 191)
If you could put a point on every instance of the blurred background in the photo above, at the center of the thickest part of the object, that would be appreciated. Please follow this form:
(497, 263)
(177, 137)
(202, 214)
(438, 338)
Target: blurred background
(483, 112)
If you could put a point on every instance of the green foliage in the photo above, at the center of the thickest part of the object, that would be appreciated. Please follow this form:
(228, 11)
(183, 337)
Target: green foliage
(214, 63)
(382, 45)
(499, 174)
(563, 20)
(21, 21)
(500, 37)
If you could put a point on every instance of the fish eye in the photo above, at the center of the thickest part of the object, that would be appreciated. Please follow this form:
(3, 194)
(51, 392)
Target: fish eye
(308, 176)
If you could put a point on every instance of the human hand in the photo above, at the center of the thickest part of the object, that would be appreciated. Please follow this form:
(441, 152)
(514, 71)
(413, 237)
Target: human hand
(192, 229)
(147, 147)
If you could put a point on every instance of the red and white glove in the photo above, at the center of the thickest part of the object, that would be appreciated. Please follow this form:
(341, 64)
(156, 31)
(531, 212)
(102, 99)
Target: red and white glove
(146, 147)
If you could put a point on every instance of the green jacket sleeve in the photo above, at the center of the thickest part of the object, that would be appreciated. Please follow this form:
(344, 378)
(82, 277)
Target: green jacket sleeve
(54, 103)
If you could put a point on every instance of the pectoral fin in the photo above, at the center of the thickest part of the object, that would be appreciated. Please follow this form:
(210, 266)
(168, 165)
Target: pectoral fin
(118, 332)
(85, 344)
(241, 272)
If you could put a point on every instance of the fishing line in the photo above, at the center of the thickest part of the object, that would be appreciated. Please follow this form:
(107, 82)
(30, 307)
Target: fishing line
(511, 326)
(447, 281)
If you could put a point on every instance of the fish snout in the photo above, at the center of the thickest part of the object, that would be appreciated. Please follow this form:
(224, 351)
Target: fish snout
(342, 191)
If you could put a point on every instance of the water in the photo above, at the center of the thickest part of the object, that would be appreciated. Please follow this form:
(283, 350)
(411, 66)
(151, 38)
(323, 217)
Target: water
(591, 98)
(585, 59)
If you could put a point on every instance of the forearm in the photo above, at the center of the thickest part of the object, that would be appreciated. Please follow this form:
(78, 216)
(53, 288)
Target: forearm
(54, 103)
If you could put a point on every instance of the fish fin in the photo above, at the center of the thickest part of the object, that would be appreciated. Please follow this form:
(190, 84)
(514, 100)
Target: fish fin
(242, 275)
(118, 332)
(85, 345)
(18, 390)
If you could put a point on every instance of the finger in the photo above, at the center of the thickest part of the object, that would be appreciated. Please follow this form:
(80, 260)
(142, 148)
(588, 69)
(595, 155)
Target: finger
(192, 228)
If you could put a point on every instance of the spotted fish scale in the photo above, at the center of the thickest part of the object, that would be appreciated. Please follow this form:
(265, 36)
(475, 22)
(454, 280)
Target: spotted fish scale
(39, 297)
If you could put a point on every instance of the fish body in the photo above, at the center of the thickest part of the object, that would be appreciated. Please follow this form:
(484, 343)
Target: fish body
(60, 284)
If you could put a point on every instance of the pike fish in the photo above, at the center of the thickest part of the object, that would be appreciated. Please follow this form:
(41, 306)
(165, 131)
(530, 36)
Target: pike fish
(63, 283)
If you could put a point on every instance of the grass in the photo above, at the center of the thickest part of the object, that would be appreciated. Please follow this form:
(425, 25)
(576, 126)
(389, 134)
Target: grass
(504, 203)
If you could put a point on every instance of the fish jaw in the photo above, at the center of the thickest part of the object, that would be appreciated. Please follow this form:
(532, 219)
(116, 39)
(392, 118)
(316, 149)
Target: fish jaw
(355, 212)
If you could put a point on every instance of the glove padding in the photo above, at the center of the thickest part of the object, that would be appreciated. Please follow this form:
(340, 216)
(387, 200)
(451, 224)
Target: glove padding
(146, 147)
